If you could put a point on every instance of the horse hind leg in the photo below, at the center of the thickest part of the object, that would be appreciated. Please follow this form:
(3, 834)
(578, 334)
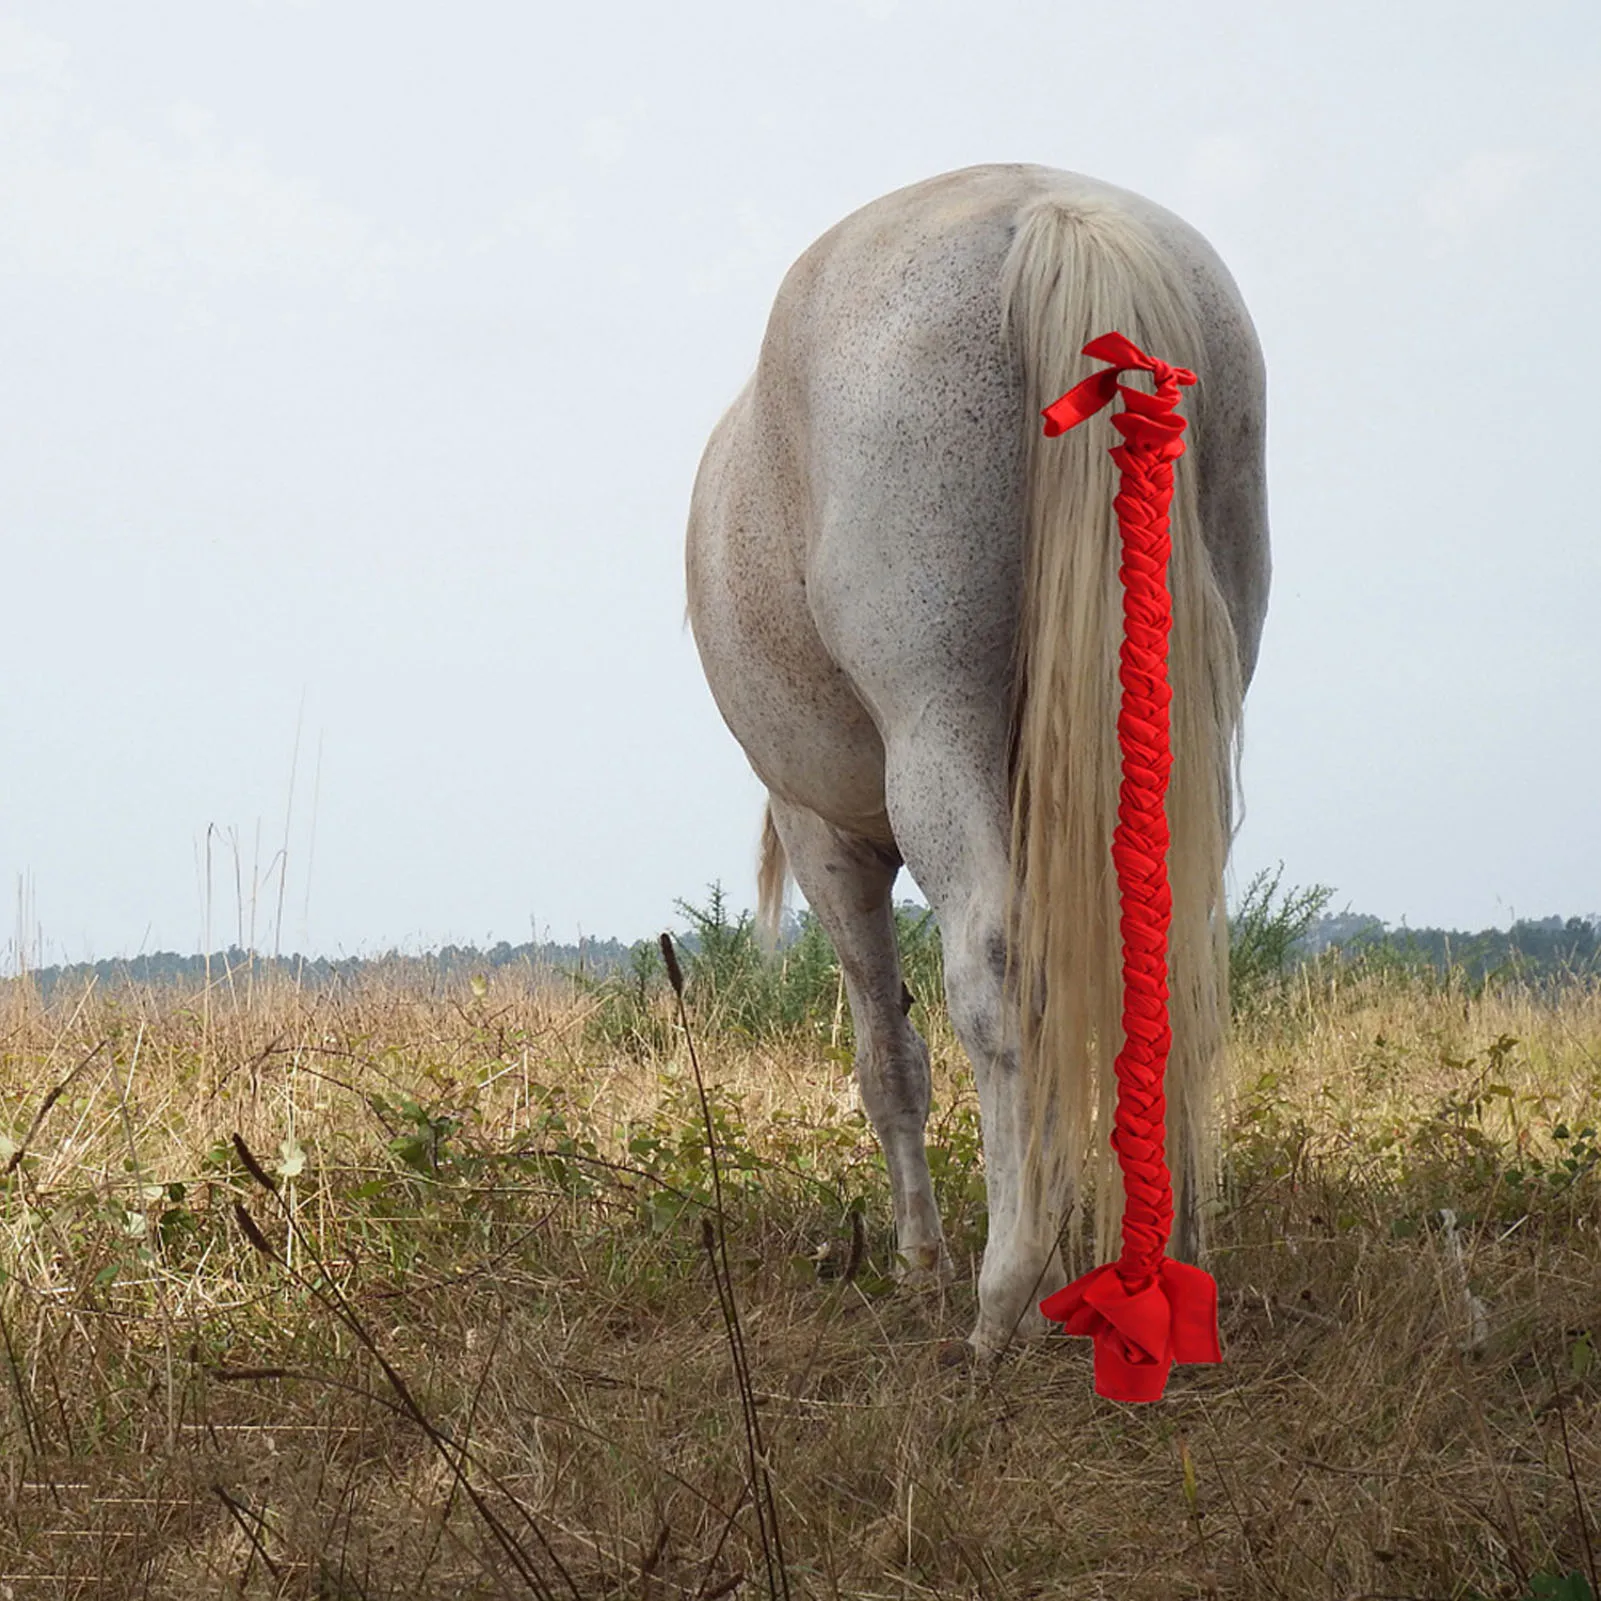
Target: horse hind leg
(847, 882)
(950, 812)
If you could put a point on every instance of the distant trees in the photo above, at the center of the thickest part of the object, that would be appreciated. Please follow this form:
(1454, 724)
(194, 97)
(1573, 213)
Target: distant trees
(1541, 950)
(1272, 930)
(591, 958)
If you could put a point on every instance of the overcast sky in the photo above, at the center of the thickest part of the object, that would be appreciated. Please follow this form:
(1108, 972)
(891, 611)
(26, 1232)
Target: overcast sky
(355, 360)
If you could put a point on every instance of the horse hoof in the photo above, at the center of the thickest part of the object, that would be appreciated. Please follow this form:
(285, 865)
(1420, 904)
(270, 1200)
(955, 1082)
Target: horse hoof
(955, 1354)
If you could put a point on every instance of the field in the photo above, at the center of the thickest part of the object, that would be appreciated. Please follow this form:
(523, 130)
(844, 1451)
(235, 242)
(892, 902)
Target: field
(412, 1288)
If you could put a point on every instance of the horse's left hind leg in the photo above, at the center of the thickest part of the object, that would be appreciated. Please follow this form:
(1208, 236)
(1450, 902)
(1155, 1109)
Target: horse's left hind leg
(847, 883)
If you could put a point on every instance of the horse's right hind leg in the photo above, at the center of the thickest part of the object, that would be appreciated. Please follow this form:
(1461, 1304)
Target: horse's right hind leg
(949, 802)
(847, 883)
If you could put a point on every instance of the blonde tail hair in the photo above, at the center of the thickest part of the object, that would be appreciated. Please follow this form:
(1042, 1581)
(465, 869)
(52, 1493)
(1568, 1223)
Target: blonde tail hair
(1075, 270)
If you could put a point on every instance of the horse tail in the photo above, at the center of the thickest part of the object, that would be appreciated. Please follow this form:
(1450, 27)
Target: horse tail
(772, 874)
(1077, 269)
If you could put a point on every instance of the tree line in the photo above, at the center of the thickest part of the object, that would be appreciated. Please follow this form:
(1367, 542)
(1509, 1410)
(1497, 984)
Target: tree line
(1272, 931)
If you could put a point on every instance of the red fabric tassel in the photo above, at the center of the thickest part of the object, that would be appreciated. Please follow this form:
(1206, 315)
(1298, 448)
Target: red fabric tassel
(1145, 1312)
(1140, 1333)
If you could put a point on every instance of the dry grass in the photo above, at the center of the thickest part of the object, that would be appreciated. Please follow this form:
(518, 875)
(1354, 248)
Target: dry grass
(484, 1357)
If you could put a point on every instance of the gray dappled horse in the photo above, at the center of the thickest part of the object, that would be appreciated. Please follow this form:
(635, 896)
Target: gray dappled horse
(907, 606)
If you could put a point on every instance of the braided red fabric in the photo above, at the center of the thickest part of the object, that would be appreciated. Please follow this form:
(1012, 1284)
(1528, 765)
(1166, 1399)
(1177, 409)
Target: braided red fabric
(1143, 1311)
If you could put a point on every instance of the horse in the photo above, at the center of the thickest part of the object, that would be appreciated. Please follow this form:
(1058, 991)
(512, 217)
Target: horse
(905, 601)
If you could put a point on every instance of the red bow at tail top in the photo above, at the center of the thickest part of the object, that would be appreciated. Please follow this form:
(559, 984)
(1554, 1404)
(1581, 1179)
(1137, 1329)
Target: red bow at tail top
(1144, 1311)
(1153, 417)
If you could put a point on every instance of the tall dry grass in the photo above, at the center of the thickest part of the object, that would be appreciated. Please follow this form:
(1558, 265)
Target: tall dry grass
(459, 1336)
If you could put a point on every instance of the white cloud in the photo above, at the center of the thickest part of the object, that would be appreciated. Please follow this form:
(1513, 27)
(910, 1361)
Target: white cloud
(1465, 199)
(83, 200)
(190, 121)
(32, 56)
(758, 253)
(1225, 166)
(605, 139)
(549, 218)
(873, 10)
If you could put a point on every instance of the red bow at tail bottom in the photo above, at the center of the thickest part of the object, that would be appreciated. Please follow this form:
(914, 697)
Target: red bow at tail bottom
(1140, 1334)
(1145, 1312)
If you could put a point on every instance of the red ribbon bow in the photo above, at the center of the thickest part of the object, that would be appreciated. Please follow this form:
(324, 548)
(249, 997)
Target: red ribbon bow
(1140, 1333)
(1145, 1312)
(1151, 418)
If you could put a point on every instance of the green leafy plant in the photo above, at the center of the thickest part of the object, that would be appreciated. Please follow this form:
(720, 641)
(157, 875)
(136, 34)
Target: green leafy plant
(1264, 930)
(733, 986)
(1572, 1586)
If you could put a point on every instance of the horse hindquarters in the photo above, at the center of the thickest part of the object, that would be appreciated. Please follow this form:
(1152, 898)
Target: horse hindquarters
(929, 550)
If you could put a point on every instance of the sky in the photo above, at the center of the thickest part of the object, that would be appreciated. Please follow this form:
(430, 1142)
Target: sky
(356, 359)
